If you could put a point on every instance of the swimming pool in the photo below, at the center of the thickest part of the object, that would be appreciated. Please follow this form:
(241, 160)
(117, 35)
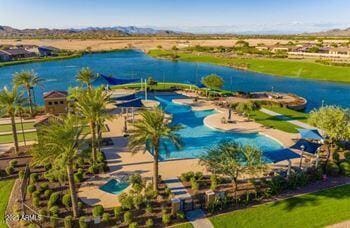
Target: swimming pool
(114, 186)
(197, 137)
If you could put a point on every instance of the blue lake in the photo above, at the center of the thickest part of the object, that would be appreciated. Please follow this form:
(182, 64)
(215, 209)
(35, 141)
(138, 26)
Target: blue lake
(60, 75)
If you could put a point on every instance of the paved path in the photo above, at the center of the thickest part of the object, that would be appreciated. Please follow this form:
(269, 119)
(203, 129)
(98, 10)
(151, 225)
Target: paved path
(198, 219)
(177, 188)
(280, 116)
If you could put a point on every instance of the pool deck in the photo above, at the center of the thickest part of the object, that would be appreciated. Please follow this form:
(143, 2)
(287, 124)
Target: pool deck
(122, 161)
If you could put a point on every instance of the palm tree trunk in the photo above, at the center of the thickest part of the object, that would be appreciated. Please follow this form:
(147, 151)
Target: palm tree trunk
(73, 191)
(14, 133)
(99, 137)
(93, 140)
(155, 168)
(30, 101)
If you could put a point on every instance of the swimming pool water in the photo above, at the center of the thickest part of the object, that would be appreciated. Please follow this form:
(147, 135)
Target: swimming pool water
(197, 137)
(113, 186)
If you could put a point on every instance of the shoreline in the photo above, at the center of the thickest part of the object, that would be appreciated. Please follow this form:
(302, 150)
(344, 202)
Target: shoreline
(181, 58)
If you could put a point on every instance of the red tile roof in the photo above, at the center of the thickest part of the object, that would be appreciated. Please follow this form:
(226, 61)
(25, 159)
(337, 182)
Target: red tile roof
(55, 94)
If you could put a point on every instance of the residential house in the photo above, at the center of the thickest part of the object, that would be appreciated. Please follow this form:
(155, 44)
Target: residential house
(56, 102)
(15, 54)
(48, 51)
(339, 51)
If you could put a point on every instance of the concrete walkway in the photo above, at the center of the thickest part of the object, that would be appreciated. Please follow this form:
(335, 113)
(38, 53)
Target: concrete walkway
(280, 116)
(198, 219)
(177, 188)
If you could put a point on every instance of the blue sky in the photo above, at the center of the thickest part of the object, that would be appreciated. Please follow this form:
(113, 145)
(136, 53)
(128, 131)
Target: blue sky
(237, 15)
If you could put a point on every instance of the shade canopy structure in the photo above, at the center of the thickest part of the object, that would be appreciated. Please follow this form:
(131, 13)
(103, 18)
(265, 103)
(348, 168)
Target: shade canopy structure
(104, 80)
(135, 103)
(310, 134)
(123, 97)
(307, 146)
(280, 155)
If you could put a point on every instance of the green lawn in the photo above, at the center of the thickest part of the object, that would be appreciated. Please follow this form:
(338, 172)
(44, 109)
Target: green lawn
(291, 114)
(5, 191)
(274, 122)
(280, 67)
(7, 127)
(312, 210)
(183, 225)
(159, 86)
(8, 138)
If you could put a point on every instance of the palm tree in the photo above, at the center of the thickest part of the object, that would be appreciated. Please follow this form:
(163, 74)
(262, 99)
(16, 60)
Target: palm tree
(10, 103)
(59, 144)
(86, 76)
(149, 133)
(91, 105)
(27, 80)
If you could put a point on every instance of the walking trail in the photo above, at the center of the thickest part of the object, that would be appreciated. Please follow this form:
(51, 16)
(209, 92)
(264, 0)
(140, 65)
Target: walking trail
(280, 116)
(196, 217)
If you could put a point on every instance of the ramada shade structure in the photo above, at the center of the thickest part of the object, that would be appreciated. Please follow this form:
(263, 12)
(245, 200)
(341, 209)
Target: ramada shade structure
(280, 155)
(104, 80)
(310, 134)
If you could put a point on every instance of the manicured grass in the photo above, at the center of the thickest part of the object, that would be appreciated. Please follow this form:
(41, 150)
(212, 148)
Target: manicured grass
(291, 114)
(312, 210)
(278, 67)
(5, 191)
(9, 139)
(8, 128)
(272, 121)
(159, 86)
(183, 225)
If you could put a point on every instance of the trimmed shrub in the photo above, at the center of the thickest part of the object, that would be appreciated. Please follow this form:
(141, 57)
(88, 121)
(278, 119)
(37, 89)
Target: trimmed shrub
(332, 169)
(187, 176)
(82, 222)
(67, 200)
(21, 174)
(13, 163)
(54, 210)
(213, 182)
(47, 193)
(43, 212)
(80, 205)
(34, 177)
(117, 212)
(36, 202)
(53, 199)
(128, 217)
(78, 177)
(53, 221)
(180, 215)
(198, 175)
(149, 209)
(9, 170)
(36, 194)
(166, 219)
(149, 223)
(194, 184)
(137, 201)
(126, 201)
(98, 211)
(106, 217)
(93, 169)
(43, 186)
(133, 225)
(68, 221)
(47, 166)
(347, 155)
(345, 168)
(31, 188)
